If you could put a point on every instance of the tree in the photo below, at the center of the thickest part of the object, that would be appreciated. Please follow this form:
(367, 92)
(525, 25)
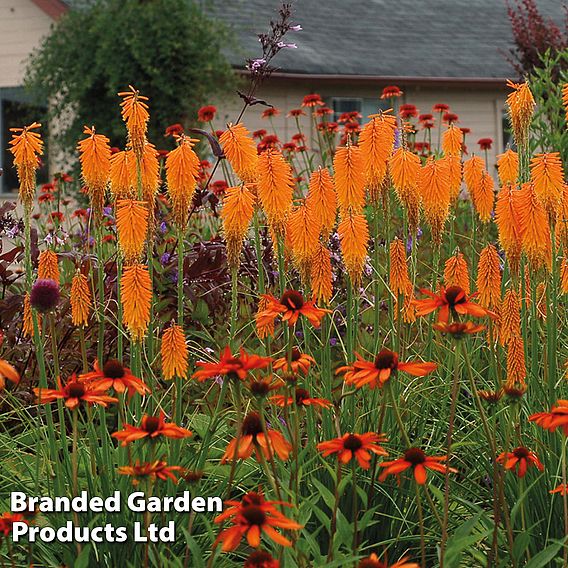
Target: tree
(168, 49)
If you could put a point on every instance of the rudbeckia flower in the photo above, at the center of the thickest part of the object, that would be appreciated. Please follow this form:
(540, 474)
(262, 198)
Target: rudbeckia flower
(7, 371)
(150, 470)
(114, 375)
(416, 459)
(556, 418)
(301, 398)
(261, 559)
(150, 427)
(300, 362)
(7, 520)
(231, 366)
(354, 446)
(374, 562)
(458, 329)
(251, 517)
(376, 373)
(519, 460)
(74, 393)
(290, 307)
(452, 299)
(252, 438)
(562, 489)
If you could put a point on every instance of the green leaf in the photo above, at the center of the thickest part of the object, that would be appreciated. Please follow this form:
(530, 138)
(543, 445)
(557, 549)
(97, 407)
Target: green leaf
(544, 557)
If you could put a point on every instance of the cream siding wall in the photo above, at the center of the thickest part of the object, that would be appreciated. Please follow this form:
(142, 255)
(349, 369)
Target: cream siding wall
(22, 26)
(479, 109)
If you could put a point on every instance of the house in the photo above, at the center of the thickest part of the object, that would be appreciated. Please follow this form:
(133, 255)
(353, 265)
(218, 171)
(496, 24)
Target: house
(436, 51)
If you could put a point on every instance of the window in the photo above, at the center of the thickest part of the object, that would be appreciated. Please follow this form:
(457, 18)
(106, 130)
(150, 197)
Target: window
(365, 106)
(16, 111)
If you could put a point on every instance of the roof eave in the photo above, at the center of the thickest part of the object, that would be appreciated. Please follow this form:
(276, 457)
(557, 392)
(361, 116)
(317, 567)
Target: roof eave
(53, 8)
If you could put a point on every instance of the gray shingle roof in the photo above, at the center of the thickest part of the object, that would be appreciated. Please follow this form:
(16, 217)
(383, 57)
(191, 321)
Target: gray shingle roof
(385, 38)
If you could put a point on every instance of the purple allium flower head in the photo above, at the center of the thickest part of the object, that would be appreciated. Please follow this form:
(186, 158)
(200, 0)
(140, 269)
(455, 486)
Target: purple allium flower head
(44, 296)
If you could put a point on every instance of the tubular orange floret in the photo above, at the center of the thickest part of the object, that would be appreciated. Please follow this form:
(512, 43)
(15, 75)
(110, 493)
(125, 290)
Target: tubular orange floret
(562, 220)
(240, 150)
(349, 167)
(452, 141)
(404, 167)
(521, 107)
(376, 142)
(26, 147)
(434, 187)
(275, 187)
(94, 155)
(28, 324)
(80, 300)
(120, 175)
(322, 199)
(399, 282)
(132, 227)
(535, 231)
(484, 198)
(135, 114)
(489, 277)
(303, 231)
(472, 173)
(507, 214)
(136, 291)
(354, 236)
(565, 99)
(48, 266)
(149, 180)
(182, 171)
(456, 272)
(564, 276)
(510, 324)
(174, 353)
(454, 174)
(237, 212)
(321, 274)
(548, 179)
(508, 166)
(516, 368)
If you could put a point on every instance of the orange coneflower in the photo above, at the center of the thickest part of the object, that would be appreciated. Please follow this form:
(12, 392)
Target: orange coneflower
(251, 517)
(376, 373)
(303, 232)
(275, 187)
(121, 183)
(237, 212)
(48, 266)
(7, 371)
(456, 272)
(135, 114)
(182, 173)
(516, 368)
(404, 167)
(399, 282)
(252, 438)
(521, 107)
(556, 418)
(321, 276)
(301, 398)
(261, 559)
(151, 427)
(416, 459)
(136, 289)
(299, 362)
(452, 141)
(519, 460)
(74, 393)
(132, 227)
(262, 386)
(290, 307)
(434, 187)
(452, 300)
(114, 375)
(535, 230)
(322, 199)
(484, 197)
(508, 166)
(507, 213)
(548, 179)
(376, 142)
(158, 469)
(231, 366)
(94, 155)
(458, 330)
(240, 150)
(26, 147)
(510, 317)
(354, 236)
(562, 489)
(80, 300)
(489, 277)
(354, 446)
(349, 167)
(374, 562)
(174, 353)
